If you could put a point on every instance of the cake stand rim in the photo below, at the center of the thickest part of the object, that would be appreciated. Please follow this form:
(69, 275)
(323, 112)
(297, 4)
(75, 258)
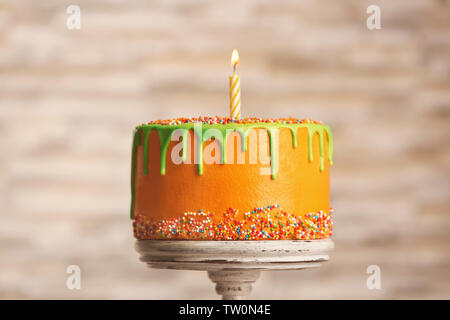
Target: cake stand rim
(227, 255)
(312, 244)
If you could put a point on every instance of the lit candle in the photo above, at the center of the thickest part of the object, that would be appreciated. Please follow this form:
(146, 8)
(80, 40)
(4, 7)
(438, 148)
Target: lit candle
(235, 88)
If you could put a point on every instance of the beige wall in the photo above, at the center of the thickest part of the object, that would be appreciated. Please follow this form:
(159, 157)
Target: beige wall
(69, 101)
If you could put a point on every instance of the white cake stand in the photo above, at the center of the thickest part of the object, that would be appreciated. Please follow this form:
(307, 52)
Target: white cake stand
(234, 265)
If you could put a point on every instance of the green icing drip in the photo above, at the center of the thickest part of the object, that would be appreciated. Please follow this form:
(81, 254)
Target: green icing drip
(273, 155)
(294, 136)
(199, 136)
(310, 137)
(136, 142)
(165, 134)
(184, 151)
(330, 144)
(146, 132)
(243, 133)
(319, 129)
(220, 137)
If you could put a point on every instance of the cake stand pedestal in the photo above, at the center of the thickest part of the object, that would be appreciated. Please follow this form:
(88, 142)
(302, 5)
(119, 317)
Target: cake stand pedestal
(234, 265)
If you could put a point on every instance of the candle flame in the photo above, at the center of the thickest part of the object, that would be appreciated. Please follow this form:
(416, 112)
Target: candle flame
(234, 58)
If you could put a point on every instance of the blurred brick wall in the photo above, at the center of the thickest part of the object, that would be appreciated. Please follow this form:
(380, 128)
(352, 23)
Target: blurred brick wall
(69, 100)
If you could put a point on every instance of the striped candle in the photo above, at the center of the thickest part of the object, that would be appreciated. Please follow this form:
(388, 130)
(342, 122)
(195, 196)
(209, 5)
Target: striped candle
(235, 88)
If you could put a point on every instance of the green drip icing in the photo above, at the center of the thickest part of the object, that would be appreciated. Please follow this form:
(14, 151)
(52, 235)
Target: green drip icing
(224, 141)
(310, 137)
(321, 150)
(243, 133)
(136, 142)
(294, 136)
(225, 133)
(244, 136)
(146, 132)
(220, 138)
(165, 134)
(199, 136)
(184, 151)
(319, 129)
(273, 154)
(222, 144)
(330, 144)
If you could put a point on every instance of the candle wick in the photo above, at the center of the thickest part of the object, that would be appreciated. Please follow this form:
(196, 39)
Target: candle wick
(234, 68)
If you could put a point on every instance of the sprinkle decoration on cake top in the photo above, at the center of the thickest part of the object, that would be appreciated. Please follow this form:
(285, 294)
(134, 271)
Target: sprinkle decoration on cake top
(228, 120)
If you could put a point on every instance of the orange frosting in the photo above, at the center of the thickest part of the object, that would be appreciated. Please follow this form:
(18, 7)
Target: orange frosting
(300, 186)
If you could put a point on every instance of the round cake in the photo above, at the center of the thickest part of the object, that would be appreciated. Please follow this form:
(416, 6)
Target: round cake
(213, 178)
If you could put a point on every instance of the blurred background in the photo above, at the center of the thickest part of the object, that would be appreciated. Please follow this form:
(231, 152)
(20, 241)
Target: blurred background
(70, 99)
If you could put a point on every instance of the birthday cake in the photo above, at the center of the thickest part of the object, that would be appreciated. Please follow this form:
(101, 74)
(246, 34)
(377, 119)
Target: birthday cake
(213, 178)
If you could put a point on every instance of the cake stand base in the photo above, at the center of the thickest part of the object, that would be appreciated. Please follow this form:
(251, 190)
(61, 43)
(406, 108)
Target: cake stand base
(234, 265)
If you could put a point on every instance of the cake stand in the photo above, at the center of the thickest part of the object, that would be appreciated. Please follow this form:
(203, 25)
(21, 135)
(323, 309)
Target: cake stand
(234, 265)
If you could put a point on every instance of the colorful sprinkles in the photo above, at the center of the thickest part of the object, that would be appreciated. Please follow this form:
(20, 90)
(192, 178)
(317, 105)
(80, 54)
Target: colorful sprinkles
(225, 120)
(266, 223)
